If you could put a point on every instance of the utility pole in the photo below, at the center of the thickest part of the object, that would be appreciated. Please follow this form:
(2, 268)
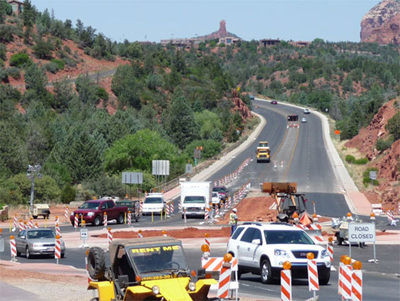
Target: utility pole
(32, 170)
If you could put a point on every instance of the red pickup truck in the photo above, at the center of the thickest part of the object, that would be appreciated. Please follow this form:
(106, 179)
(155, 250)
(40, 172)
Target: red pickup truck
(92, 212)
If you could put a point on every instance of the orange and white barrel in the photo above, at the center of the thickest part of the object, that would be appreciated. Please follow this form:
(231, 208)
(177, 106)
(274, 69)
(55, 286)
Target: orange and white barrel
(66, 214)
(30, 225)
(76, 221)
(21, 225)
(286, 285)
(15, 222)
(313, 284)
(105, 220)
(129, 219)
(346, 281)
(57, 252)
(13, 248)
(109, 236)
(356, 285)
(58, 230)
(224, 281)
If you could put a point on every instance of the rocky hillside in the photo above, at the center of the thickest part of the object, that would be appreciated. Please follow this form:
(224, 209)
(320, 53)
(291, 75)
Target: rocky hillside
(382, 23)
(387, 162)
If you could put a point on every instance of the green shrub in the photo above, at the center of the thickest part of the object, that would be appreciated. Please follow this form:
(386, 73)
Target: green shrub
(19, 59)
(382, 145)
(1, 63)
(60, 63)
(7, 33)
(67, 49)
(361, 161)
(3, 75)
(70, 62)
(68, 194)
(14, 72)
(51, 67)
(3, 52)
(102, 93)
(350, 159)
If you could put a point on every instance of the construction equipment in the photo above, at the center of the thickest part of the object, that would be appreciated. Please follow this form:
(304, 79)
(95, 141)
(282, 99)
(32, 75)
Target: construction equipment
(288, 201)
(152, 268)
(263, 152)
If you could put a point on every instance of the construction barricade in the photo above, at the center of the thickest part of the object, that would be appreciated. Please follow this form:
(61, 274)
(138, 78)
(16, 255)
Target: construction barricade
(286, 282)
(312, 271)
(13, 248)
(377, 209)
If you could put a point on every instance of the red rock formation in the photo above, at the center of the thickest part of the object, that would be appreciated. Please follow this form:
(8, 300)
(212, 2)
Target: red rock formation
(240, 106)
(221, 33)
(382, 23)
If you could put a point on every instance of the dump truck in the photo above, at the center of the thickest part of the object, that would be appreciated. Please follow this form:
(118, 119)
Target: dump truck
(288, 201)
(263, 152)
(152, 268)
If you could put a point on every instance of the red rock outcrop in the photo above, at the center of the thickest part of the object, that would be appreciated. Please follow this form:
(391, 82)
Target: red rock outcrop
(382, 23)
(221, 33)
(240, 106)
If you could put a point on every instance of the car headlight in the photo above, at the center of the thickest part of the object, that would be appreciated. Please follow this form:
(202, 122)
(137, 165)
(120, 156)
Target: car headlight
(192, 286)
(281, 253)
(155, 289)
(90, 214)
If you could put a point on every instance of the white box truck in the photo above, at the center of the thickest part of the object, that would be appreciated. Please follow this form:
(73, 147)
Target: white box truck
(195, 197)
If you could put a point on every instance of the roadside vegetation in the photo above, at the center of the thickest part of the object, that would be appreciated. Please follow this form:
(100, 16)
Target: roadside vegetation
(170, 101)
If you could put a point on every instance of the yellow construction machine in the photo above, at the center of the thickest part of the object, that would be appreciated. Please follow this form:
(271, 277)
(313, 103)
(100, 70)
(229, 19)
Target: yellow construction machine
(288, 201)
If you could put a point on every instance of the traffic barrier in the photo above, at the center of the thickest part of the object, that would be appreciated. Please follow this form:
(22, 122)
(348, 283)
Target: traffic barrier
(167, 209)
(329, 248)
(109, 236)
(58, 230)
(15, 223)
(356, 285)
(206, 241)
(25, 225)
(13, 248)
(66, 214)
(76, 222)
(21, 225)
(87, 267)
(224, 280)
(30, 225)
(216, 211)
(140, 235)
(180, 207)
(346, 272)
(316, 228)
(377, 208)
(391, 219)
(313, 284)
(129, 219)
(141, 206)
(206, 215)
(57, 251)
(171, 209)
(36, 225)
(286, 285)
(56, 221)
(105, 220)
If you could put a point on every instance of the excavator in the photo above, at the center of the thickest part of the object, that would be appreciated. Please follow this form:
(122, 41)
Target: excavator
(289, 203)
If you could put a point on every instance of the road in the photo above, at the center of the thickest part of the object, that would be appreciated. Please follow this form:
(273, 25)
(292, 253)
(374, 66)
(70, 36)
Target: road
(298, 155)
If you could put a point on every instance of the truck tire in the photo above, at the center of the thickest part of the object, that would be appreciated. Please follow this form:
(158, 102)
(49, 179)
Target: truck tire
(97, 221)
(96, 263)
(120, 219)
(34, 216)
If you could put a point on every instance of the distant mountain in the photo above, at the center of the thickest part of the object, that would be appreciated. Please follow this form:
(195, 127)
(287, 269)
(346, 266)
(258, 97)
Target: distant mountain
(382, 23)
(221, 33)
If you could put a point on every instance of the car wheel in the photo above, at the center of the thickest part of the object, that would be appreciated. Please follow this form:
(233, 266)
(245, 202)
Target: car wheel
(324, 277)
(265, 271)
(18, 253)
(120, 219)
(340, 240)
(62, 255)
(97, 221)
(27, 253)
(34, 216)
(96, 263)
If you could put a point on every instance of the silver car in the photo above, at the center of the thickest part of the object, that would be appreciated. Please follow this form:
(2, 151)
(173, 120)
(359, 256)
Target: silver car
(38, 241)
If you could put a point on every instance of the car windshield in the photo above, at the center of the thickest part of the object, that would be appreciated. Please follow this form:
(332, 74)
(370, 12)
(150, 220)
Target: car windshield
(219, 189)
(194, 200)
(91, 205)
(158, 258)
(287, 237)
(153, 201)
(40, 234)
(215, 195)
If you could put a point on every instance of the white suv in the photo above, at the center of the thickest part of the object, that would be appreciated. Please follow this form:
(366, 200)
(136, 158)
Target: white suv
(263, 248)
(153, 203)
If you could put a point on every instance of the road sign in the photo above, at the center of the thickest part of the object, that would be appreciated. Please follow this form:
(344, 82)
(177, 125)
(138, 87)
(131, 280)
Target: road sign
(132, 178)
(197, 153)
(372, 175)
(362, 232)
(84, 234)
(189, 168)
(160, 167)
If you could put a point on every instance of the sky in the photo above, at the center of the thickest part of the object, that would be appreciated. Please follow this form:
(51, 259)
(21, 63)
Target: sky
(154, 20)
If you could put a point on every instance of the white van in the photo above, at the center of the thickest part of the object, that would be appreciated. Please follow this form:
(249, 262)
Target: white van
(153, 203)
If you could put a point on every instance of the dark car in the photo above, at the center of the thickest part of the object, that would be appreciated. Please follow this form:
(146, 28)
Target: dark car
(251, 97)
(133, 207)
(274, 102)
(222, 191)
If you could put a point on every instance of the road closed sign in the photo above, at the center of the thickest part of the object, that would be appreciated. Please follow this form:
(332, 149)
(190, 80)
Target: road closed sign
(362, 232)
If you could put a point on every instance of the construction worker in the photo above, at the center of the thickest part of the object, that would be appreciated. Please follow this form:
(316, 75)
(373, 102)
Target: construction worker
(233, 220)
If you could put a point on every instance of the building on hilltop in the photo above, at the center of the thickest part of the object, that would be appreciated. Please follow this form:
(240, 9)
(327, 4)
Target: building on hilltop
(17, 6)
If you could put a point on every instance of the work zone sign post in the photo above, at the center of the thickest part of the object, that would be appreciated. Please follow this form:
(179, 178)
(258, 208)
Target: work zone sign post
(361, 233)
